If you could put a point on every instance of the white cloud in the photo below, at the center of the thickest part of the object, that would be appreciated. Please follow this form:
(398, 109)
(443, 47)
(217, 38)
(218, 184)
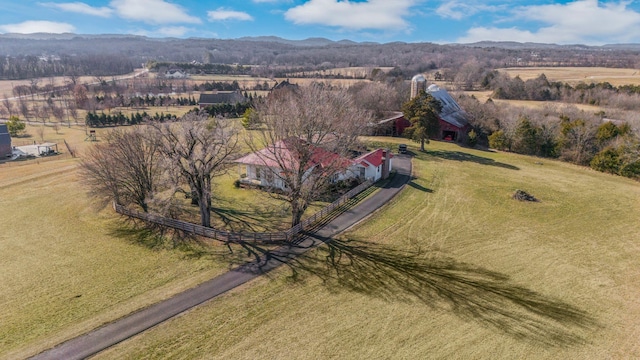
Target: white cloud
(580, 21)
(371, 14)
(153, 12)
(81, 8)
(35, 26)
(458, 10)
(222, 14)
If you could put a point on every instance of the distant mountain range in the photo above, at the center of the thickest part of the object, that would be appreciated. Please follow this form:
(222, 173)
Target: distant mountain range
(317, 42)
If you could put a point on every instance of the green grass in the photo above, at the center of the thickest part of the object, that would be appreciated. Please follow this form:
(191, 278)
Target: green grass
(451, 268)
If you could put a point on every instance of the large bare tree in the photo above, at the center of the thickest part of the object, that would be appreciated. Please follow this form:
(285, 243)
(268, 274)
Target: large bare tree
(305, 136)
(196, 149)
(124, 168)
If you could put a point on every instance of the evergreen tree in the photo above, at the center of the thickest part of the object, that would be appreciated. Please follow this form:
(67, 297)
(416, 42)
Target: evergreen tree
(422, 111)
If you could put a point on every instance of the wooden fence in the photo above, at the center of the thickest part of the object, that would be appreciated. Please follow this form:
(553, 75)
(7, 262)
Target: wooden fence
(71, 151)
(232, 237)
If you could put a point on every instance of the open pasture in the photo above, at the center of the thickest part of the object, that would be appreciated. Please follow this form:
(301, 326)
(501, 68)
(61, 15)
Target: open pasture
(67, 268)
(483, 96)
(451, 268)
(575, 75)
(69, 264)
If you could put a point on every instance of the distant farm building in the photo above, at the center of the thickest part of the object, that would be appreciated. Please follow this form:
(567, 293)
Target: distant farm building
(5, 142)
(284, 84)
(220, 97)
(176, 74)
(454, 123)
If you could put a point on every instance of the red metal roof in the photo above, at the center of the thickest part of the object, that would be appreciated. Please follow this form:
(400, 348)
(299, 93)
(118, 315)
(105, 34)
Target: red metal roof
(284, 153)
(374, 158)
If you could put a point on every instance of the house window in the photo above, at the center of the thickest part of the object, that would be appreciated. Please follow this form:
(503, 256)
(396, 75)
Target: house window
(268, 176)
(362, 172)
(258, 171)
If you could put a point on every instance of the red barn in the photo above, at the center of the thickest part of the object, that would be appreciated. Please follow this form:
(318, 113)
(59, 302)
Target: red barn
(454, 125)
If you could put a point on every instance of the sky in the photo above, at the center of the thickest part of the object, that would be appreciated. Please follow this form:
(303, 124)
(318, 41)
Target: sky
(589, 22)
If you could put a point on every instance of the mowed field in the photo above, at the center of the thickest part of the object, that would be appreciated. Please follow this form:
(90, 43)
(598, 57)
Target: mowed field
(575, 75)
(67, 265)
(451, 268)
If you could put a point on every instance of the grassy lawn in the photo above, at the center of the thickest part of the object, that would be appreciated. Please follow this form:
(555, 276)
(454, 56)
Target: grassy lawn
(68, 266)
(451, 268)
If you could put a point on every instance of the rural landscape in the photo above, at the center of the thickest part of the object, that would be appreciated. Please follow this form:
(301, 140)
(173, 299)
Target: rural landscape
(138, 169)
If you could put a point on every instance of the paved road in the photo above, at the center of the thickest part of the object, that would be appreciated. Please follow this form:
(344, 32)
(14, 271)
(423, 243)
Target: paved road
(108, 335)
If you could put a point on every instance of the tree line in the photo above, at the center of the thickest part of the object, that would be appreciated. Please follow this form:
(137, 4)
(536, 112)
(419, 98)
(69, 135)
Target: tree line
(20, 67)
(541, 89)
(93, 119)
(564, 133)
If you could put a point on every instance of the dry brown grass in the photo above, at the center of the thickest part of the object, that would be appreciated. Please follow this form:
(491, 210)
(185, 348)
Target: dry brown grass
(67, 267)
(575, 75)
(452, 268)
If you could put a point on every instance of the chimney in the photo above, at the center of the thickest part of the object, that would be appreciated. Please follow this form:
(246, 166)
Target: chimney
(386, 158)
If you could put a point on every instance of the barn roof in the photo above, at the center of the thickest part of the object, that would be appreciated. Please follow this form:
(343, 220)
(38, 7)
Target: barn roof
(221, 97)
(395, 116)
(451, 111)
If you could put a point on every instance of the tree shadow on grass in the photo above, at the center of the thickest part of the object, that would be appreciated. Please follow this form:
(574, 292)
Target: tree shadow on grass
(463, 156)
(238, 220)
(468, 291)
(156, 237)
(416, 186)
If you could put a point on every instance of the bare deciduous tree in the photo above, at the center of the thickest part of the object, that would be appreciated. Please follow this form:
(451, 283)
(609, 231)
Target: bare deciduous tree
(6, 102)
(40, 132)
(124, 168)
(196, 149)
(306, 134)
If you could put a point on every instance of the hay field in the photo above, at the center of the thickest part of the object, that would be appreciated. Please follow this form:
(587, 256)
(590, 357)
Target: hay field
(575, 75)
(483, 96)
(451, 268)
(6, 86)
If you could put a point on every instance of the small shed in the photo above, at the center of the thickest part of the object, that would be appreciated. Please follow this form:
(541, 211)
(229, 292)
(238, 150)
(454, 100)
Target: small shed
(47, 148)
(5, 142)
